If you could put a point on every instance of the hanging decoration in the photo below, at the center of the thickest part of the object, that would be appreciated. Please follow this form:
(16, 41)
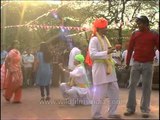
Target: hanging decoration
(49, 27)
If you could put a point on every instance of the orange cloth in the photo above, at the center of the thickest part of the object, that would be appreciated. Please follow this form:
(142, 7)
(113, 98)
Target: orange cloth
(88, 59)
(99, 23)
(12, 75)
(12, 88)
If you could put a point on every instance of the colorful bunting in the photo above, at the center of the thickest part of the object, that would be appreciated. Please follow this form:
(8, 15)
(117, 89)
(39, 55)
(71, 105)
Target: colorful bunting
(49, 27)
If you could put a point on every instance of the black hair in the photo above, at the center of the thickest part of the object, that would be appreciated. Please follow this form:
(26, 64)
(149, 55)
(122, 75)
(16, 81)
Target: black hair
(143, 19)
(47, 54)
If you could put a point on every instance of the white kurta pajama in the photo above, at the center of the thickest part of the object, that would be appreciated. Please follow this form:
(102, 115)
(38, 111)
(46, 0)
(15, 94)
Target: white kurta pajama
(75, 51)
(77, 94)
(104, 85)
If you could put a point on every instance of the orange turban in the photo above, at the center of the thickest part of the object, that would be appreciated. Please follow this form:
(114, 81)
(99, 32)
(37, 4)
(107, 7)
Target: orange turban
(99, 23)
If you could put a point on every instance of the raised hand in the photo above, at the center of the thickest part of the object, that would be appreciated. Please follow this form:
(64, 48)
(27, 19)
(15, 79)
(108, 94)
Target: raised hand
(111, 50)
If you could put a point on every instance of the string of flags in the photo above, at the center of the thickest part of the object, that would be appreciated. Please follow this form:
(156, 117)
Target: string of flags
(49, 27)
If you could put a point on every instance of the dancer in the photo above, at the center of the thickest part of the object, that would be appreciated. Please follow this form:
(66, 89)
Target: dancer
(11, 74)
(104, 76)
(44, 74)
(77, 89)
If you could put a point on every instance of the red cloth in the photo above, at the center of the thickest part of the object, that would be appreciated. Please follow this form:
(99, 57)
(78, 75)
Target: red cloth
(12, 75)
(88, 59)
(143, 44)
(126, 44)
(99, 23)
(13, 60)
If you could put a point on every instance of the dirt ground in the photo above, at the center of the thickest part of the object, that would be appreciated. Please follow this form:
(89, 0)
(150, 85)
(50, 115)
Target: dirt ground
(30, 108)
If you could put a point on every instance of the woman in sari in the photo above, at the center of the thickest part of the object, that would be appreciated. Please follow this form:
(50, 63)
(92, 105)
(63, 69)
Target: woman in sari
(11, 75)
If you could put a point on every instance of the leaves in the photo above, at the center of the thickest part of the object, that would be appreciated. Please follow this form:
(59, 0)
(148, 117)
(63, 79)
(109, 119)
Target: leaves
(71, 13)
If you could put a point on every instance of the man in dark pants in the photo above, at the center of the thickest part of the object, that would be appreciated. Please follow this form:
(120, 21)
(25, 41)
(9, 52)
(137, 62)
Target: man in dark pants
(143, 41)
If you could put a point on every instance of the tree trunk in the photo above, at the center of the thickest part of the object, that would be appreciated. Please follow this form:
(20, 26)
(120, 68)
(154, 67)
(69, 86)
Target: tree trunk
(120, 35)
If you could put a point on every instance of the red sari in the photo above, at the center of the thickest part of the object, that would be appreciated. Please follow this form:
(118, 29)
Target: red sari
(11, 76)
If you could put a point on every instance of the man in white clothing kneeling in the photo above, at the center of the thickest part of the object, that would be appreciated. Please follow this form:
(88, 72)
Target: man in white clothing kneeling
(77, 89)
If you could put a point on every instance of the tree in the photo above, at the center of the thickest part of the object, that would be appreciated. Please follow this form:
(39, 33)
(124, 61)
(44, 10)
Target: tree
(120, 14)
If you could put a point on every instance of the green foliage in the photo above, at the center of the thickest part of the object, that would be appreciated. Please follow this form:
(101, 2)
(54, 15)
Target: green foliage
(72, 13)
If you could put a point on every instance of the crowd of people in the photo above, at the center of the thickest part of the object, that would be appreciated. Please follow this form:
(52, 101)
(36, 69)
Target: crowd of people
(86, 78)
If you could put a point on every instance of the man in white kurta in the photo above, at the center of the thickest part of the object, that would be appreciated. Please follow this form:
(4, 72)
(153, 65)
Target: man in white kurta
(105, 85)
(74, 51)
(77, 91)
